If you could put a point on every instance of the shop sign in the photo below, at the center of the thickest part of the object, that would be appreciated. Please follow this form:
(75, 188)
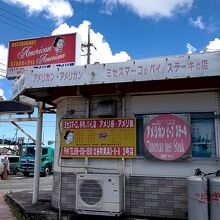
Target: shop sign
(42, 53)
(99, 138)
(162, 68)
(166, 137)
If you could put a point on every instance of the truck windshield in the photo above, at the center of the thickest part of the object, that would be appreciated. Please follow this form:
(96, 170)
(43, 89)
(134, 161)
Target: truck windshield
(27, 151)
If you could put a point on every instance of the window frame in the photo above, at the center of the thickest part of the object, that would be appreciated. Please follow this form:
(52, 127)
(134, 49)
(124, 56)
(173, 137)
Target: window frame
(44, 150)
(206, 115)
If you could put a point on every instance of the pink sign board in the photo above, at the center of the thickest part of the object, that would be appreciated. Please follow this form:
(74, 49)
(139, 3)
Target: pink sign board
(167, 137)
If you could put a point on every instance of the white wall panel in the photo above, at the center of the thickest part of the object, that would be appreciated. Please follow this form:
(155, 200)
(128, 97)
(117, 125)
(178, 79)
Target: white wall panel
(143, 167)
(163, 103)
(173, 103)
(168, 103)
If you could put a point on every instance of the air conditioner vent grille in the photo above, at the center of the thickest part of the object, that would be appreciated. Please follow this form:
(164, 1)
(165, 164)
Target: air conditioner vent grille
(91, 191)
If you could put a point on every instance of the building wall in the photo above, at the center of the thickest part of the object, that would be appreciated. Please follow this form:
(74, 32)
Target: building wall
(144, 196)
(174, 103)
(64, 196)
(156, 197)
(152, 188)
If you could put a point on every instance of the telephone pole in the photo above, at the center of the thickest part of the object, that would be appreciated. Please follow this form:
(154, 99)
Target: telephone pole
(88, 45)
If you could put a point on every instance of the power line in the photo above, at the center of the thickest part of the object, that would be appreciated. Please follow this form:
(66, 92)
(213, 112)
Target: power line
(6, 131)
(98, 58)
(101, 56)
(9, 12)
(2, 73)
(87, 45)
(2, 69)
(17, 27)
(22, 24)
(34, 126)
(86, 54)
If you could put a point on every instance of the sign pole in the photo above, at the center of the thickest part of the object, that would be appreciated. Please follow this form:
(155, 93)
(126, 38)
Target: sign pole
(37, 154)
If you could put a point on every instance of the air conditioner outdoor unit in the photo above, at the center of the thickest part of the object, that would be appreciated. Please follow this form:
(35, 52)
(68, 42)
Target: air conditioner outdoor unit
(100, 194)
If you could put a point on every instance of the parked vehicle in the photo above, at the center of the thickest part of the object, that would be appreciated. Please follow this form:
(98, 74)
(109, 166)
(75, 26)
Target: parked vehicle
(27, 157)
(3, 159)
(13, 164)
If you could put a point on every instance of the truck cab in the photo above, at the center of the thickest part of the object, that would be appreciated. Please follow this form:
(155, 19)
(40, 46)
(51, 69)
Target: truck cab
(27, 159)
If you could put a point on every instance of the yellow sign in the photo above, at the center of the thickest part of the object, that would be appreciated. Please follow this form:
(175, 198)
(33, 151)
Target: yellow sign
(99, 138)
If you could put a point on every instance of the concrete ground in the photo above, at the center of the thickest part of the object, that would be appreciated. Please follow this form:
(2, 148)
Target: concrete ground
(5, 211)
(22, 207)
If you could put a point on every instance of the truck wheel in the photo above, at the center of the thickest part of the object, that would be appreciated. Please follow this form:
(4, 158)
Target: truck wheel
(46, 170)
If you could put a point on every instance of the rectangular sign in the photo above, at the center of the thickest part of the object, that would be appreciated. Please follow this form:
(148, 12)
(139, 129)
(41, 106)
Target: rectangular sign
(99, 138)
(162, 68)
(42, 53)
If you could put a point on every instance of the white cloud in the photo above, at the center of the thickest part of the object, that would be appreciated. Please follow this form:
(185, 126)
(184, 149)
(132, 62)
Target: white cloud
(213, 45)
(3, 59)
(2, 94)
(56, 10)
(59, 10)
(190, 48)
(197, 23)
(3, 65)
(102, 53)
(86, 1)
(155, 9)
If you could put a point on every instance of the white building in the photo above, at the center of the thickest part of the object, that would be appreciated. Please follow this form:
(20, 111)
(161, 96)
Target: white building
(175, 102)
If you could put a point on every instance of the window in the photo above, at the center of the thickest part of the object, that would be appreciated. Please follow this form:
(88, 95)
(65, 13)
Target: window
(44, 151)
(28, 151)
(203, 135)
(140, 135)
(13, 159)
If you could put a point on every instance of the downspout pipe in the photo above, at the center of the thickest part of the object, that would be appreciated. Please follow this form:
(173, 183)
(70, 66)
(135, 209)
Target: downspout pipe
(123, 159)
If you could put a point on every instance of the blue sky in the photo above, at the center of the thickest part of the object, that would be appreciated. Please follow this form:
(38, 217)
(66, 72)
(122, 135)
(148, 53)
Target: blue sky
(120, 30)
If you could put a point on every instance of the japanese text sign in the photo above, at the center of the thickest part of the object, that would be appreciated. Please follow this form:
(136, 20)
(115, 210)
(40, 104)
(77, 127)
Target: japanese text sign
(167, 137)
(99, 138)
(29, 54)
(162, 68)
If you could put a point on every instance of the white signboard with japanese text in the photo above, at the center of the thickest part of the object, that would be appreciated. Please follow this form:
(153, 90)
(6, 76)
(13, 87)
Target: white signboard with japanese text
(196, 65)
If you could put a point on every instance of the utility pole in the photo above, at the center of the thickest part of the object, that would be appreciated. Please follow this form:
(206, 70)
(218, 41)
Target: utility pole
(38, 153)
(88, 46)
(3, 139)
